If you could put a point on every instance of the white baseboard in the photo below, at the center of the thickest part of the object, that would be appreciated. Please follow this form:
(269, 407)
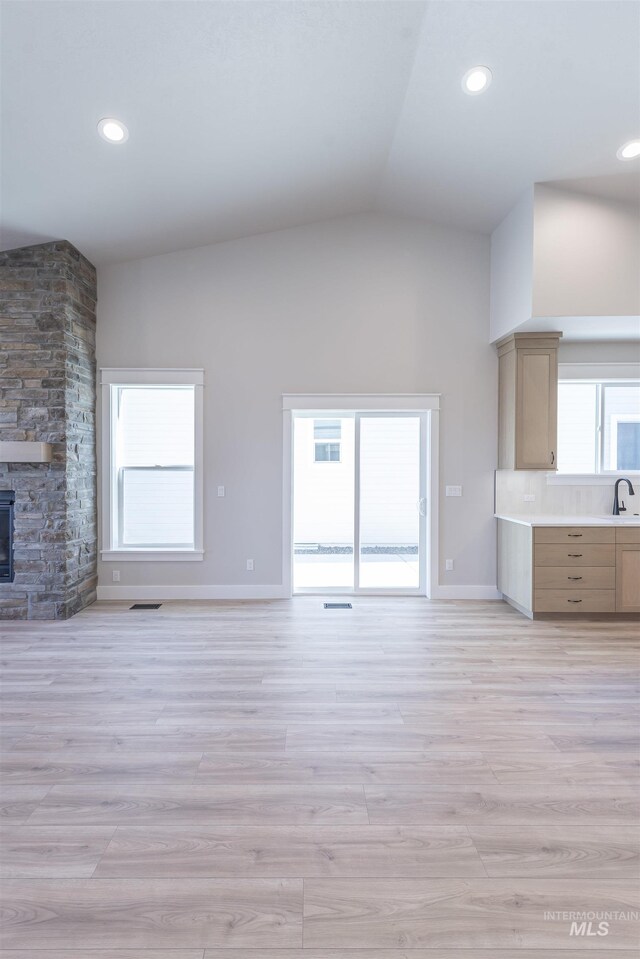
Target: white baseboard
(134, 593)
(127, 593)
(466, 592)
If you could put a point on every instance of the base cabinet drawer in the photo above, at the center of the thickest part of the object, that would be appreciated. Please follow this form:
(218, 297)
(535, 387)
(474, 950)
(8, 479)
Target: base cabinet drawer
(575, 577)
(587, 555)
(575, 535)
(575, 601)
(628, 534)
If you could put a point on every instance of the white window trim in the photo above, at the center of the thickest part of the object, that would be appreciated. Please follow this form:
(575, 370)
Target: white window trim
(322, 403)
(616, 373)
(109, 378)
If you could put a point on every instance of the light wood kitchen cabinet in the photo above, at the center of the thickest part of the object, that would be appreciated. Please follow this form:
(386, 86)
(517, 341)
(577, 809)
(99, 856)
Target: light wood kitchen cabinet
(528, 401)
(546, 570)
(628, 570)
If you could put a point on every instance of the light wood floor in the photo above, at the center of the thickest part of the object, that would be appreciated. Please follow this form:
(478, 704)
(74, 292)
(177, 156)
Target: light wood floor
(404, 780)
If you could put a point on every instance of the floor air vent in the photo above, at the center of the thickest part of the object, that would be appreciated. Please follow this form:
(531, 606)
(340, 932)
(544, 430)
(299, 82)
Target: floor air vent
(338, 606)
(146, 606)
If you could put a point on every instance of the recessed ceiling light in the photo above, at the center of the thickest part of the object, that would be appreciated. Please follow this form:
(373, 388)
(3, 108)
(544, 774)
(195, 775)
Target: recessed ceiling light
(113, 131)
(476, 80)
(630, 150)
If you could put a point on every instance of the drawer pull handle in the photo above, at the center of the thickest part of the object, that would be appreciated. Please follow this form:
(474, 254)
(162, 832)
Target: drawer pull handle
(574, 555)
(574, 577)
(574, 600)
(574, 534)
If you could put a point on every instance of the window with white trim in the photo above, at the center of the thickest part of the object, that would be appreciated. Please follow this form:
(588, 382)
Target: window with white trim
(598, 426)
(154, 453)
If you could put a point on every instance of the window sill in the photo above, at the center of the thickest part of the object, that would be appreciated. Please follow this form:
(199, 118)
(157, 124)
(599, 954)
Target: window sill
(152, 555)
(586, 479)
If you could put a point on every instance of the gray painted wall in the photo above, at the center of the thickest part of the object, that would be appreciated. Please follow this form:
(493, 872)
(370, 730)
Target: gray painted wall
(512, 269)
(586, 255)
(364, 304)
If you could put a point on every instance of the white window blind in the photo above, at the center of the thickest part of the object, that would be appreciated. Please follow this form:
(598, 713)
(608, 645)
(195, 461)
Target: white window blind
(153, 466)
(598, 427)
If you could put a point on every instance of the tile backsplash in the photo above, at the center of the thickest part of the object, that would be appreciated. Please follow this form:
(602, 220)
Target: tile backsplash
(561, 500)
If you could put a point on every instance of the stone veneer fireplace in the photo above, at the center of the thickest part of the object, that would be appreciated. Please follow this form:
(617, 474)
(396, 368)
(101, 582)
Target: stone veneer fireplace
(47, 395)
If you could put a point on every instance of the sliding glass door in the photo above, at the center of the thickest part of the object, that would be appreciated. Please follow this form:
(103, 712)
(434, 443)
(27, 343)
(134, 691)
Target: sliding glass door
(359, 502)
(323, 501)
(390, 502)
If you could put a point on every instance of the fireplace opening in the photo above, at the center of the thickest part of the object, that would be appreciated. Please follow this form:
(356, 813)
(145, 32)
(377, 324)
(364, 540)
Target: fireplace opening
(7, 499)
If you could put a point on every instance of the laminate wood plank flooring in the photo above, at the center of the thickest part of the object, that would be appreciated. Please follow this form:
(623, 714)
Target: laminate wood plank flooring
(270, 780)
(309, 954)
(89, 766)
(525, 805)
(153, 913)
(250, 804)
(18, 801)
(359, 851)
(364, 739)
(556, 851)
(563, 768)
(383, 954)
(400, 768)
(258, 714)
(420, 913)
(52, 853)
(542, 716)
(130, 954)
(71, 714)
(146, 737)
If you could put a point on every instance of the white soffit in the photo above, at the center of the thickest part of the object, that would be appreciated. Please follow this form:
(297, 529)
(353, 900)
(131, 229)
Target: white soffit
(587, 328)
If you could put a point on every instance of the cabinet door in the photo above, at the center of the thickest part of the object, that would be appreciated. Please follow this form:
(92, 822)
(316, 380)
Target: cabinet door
(536, 409)
(628, 578)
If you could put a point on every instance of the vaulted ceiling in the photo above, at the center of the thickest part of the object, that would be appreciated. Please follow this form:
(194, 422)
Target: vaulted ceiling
(253, 116)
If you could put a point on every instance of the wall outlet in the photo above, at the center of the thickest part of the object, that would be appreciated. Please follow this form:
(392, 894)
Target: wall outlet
(221, 491)
(250, 565)
(115, 575)
(448, 564)
(529, 497)
(453, 491)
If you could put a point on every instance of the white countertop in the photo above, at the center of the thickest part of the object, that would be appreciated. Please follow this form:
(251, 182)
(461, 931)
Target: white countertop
(549, 520)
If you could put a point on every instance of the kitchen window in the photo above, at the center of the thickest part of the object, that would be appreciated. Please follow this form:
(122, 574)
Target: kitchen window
(598, 427)
(152, 454)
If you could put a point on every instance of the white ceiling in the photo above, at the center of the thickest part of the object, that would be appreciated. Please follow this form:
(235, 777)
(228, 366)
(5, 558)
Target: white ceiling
(246, 117)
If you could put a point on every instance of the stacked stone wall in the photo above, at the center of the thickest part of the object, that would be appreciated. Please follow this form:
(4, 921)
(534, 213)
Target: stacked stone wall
(47, 394)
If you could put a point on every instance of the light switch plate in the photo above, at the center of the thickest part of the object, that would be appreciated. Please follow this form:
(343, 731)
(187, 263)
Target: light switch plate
(221, 491)
(250, 565)
(448, 564)
(453, 491)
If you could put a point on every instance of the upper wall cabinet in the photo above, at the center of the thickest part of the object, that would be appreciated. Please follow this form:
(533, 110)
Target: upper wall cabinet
(528, 404)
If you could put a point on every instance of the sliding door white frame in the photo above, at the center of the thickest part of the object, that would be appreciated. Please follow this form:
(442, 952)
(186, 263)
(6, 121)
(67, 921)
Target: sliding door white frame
(427, 404)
